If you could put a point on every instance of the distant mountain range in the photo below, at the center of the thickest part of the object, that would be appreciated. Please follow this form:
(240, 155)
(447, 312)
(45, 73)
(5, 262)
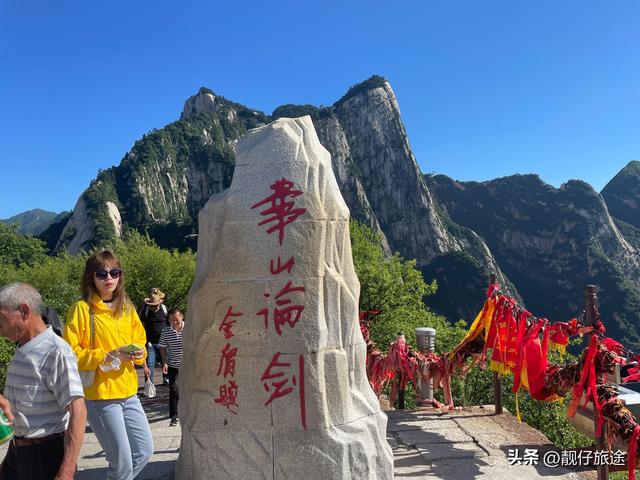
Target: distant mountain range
(543, 243)
(552, 241)
(32, 222)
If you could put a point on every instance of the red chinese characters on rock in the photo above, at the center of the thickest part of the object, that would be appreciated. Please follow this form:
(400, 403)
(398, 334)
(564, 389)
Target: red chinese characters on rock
(228, 392)
(280, 379)
(279, 267)
(228, 361)
(284, 312)
(228, 396)
(278, 385)
(281, 210)
(227, 323)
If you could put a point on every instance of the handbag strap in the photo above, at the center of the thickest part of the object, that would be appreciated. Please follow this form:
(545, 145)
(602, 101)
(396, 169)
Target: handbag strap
(92, 329)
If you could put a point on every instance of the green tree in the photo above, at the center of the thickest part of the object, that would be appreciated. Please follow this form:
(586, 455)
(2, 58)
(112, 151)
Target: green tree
(394, 287)
(57, 279)
(17, 249)
(146, 265)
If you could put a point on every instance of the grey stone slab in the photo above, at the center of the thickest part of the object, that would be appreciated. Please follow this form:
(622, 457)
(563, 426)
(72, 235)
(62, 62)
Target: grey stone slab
(91, 473)
(162, 443)
(413, 423)
(408, 462)
(439, 451)
(414, 437)
(166, 431)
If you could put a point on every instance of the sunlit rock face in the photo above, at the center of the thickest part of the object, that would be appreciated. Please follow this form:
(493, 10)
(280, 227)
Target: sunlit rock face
(274, 384)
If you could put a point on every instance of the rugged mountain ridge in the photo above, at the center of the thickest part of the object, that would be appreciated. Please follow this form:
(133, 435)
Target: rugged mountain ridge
(547, 241)
(165, 179)
(550, 242)
(170, 173)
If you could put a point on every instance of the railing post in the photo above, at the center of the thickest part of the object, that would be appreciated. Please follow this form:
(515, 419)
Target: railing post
(497, 384)
(426, 340)
(591, 309)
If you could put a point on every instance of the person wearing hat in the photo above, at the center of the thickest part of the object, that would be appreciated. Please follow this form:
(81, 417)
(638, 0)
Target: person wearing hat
(154, 317)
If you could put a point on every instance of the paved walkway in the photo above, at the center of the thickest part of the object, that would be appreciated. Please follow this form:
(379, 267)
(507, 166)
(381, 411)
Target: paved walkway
(465, 444)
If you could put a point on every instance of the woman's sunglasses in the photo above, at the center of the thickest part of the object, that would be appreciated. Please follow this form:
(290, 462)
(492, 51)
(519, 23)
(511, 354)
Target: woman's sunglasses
(102, 273)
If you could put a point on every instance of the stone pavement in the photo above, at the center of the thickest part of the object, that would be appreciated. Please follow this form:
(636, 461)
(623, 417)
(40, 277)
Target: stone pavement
(427, 444)
(467, 444)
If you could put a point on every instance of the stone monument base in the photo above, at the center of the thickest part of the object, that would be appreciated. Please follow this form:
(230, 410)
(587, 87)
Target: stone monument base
(338, 452)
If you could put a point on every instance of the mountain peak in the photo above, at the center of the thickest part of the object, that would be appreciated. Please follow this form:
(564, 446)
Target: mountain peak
(202, 102)
(31, 222)
(630, 169)
(375, 81)
(623, 195)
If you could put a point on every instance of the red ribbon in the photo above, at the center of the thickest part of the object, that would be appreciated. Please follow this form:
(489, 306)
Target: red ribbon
(632, 451)
(517, 373)
(578, 388)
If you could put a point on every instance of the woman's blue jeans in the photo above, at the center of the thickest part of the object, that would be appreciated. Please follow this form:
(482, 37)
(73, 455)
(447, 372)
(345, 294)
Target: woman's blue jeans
(123, 431)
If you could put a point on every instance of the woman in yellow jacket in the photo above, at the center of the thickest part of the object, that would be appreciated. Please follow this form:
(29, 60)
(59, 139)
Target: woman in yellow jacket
(113, 408)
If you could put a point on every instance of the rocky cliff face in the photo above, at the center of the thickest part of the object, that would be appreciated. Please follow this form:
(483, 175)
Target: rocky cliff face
(548, 242)
(169, 174)
(622, 194)
(551, 242)
(383, 186)
(382, 158)
(166, 178)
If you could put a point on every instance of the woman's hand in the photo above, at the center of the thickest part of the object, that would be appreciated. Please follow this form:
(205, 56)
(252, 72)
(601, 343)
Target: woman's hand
(127, 356)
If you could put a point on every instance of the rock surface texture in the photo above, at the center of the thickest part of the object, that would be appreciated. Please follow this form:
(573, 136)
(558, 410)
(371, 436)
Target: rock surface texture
(276, 384)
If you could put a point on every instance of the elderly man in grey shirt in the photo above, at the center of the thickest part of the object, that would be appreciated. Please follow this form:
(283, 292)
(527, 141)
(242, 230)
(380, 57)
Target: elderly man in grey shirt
(43, 392)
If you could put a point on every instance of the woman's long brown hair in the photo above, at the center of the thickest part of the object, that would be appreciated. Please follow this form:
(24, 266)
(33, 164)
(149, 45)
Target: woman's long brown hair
(94, 263)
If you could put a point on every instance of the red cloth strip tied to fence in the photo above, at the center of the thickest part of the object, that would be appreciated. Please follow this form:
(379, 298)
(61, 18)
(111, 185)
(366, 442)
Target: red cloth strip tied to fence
(560, 332)
(399, 360)
(632, 453)
(588, 381)
(505, 338)
(480, 326)
(531, 366)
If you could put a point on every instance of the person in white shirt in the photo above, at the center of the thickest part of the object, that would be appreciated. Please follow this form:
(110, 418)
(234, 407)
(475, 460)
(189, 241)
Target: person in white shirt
(43, 390)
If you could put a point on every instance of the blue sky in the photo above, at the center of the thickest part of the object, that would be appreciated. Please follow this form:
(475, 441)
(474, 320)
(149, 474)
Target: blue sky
(486, 89)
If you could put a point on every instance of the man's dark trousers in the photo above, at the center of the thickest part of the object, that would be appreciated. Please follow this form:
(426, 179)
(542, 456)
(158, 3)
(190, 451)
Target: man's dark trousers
(174, 393)
(33, 462)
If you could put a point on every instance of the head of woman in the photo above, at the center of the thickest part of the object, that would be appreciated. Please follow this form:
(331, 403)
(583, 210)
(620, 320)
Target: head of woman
(103, 276)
